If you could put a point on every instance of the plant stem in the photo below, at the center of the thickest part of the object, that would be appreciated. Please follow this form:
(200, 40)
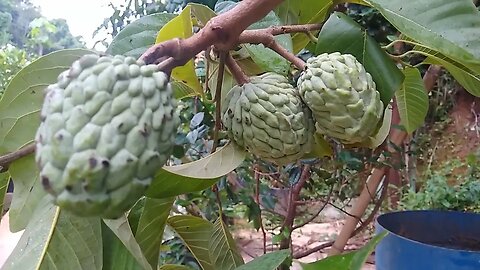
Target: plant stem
(265, 37)
(6, 159)
(236, 71)
(292, 207)
(218, 100)
(257, 199)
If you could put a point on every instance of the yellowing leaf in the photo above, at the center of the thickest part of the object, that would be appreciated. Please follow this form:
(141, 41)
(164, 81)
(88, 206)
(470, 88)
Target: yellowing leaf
(181, 27)
(215, 165)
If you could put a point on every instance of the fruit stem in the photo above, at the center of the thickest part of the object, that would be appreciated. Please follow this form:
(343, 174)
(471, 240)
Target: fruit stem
(236, 70)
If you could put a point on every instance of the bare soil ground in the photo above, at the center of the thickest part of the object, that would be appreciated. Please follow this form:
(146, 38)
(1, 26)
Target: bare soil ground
(311, 235)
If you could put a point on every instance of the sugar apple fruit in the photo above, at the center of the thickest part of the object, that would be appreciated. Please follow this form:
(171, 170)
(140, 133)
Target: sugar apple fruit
(107, 125)
(267, 117)
(342, 96)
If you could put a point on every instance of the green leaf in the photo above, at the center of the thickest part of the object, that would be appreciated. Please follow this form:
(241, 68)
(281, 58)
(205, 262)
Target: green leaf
(135, 213)
(196, 233)
(450, 27)
(3, 191)
(223, 250)
(303, 12)
(122, 230)
(266, 58)
(181, 90)
(201, 13)
(341, 34)
(139, 35)
(228, 81)
(115, 255)
(349, 261)
(27, 194)
(174, 267)
(412, 100)
(181, 27)
(215, 165)
(53, 239)
(196, 175)
(167, 184)
(20, 104)
(467, 74)
(269, 261)
(151, 225)
(321, 148)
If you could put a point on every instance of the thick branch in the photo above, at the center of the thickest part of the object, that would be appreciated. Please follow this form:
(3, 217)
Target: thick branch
(221, 31)
(6, 159)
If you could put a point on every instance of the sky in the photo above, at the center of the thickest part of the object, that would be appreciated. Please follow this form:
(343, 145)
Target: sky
(83, 16)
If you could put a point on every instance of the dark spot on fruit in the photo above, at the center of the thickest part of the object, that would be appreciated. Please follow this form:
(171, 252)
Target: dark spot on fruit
(45, 182)
(120, 126)
(60, 137)
(229, 112)
(105, 163)
(93, 162)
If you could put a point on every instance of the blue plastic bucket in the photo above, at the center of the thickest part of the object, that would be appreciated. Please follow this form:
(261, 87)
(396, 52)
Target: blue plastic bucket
(429, 240)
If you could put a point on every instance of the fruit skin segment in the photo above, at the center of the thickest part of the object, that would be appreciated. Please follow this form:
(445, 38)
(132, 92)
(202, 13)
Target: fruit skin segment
(342, 96)
(267, 118)
(107, 125)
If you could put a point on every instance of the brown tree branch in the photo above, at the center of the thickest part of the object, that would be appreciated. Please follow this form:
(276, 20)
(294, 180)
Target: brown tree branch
(358, 230)
(257, 199)
(311, 218)
(265, 37)
(237, 72)
(292, 207)
(221, 31)
(6, 159)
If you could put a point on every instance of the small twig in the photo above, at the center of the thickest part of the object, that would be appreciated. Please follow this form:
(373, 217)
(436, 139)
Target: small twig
(310, 219)
(358, 230)
(264, 37)
(219, 201)
(6, 159)
(257, 198)
(218, 101)
(236, 71)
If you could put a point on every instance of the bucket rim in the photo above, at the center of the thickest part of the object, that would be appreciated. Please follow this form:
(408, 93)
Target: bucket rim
(394, 213)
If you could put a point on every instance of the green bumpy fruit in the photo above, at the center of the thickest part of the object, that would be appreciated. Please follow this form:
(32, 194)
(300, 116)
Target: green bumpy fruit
(342, 96)
(267, 118)
(107, 125)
